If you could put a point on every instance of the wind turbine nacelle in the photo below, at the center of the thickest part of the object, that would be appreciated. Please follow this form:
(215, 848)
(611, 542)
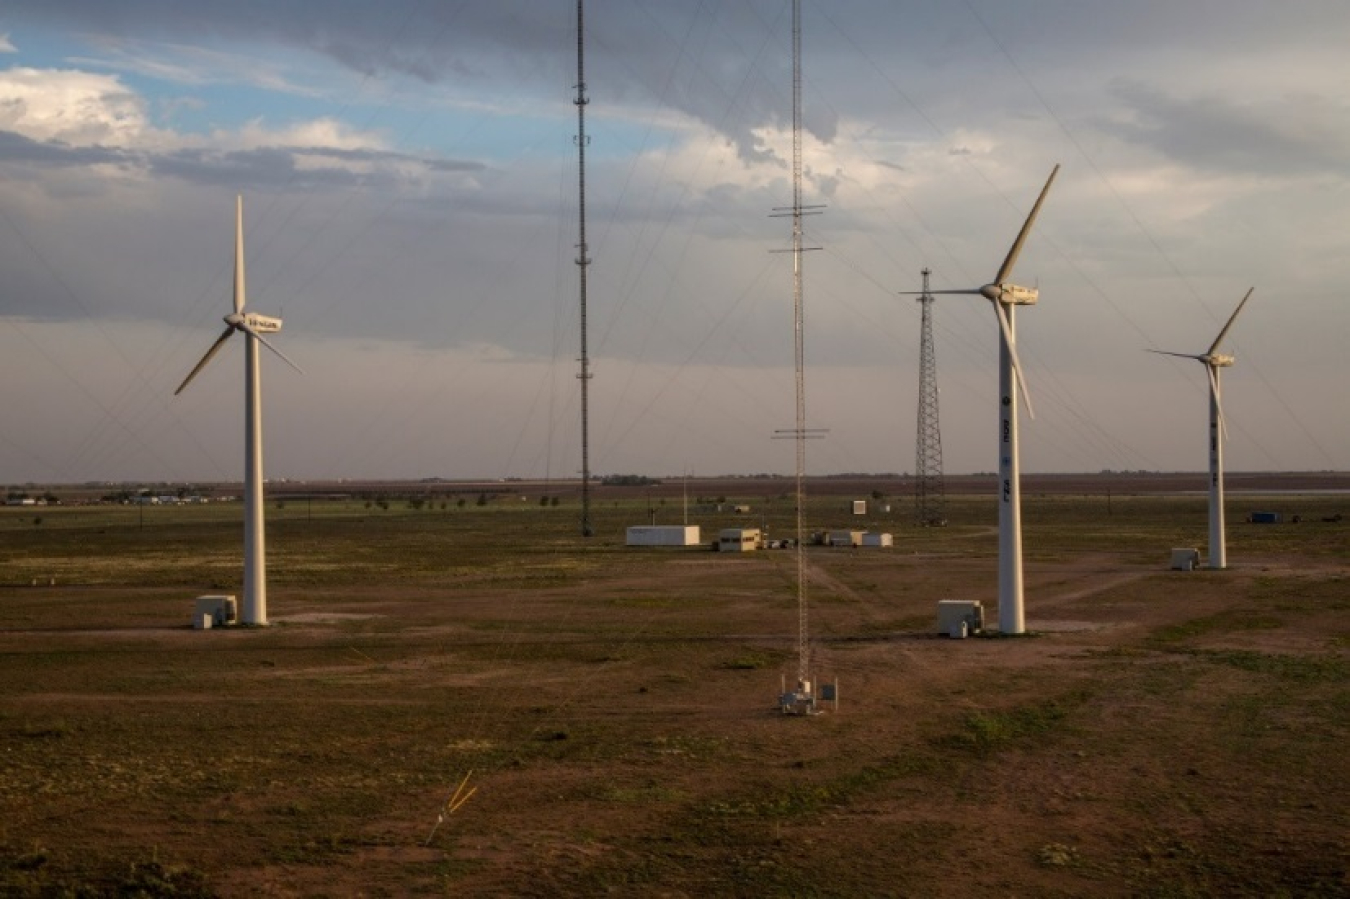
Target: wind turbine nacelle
(263, 324)
(1220, 360)
(1011, 294)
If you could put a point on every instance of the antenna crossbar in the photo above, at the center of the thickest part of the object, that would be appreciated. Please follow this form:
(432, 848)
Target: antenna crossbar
(783, 211)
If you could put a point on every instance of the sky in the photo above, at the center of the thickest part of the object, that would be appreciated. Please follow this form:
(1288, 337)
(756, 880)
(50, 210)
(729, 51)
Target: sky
(408, 171)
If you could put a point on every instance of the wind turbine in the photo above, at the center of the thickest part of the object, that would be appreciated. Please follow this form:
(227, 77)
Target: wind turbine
(1218, 432)
(1005, 296)
(253, 327)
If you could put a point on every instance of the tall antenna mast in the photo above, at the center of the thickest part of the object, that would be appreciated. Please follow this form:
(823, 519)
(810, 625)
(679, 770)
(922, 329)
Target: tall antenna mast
(686, 498)
(582, 262)
(802, 699)
(799, 349)
(930, 498)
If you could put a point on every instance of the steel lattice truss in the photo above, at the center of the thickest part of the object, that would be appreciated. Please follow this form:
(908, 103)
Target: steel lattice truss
(930, 500)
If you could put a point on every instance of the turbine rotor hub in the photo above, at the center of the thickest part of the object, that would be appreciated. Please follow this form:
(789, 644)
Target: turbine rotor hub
(1011, 294)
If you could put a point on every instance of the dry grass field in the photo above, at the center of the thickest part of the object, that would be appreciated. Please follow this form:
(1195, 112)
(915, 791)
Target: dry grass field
(1159, 733)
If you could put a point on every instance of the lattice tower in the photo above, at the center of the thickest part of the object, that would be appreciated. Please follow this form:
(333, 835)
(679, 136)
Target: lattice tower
(930, 500)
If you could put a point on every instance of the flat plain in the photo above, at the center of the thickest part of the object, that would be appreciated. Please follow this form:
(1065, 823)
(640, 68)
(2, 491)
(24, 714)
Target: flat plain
(614, 709)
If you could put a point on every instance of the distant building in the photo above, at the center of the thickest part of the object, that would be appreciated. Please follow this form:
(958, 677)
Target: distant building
(664, 535)
(739, 540)
(845, 538)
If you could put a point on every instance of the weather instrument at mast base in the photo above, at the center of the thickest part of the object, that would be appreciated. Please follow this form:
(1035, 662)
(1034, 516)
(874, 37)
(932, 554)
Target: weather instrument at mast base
(804, 700)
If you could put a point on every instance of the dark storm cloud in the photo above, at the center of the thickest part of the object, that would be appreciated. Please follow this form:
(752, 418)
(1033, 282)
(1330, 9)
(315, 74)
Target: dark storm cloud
(17, 148)
(277, 167)
(734, 52)
(264, 166)
(1214, 134)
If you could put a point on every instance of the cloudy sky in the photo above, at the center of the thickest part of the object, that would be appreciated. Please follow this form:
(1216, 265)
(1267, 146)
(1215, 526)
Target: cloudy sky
(408, 171)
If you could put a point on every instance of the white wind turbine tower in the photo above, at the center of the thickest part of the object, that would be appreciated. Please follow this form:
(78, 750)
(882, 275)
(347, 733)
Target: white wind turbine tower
(1218, 432)
(1006, 295)
(253, 327)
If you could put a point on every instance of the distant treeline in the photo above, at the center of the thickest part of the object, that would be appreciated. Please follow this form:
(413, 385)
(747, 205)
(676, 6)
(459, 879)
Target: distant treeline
(628, 480)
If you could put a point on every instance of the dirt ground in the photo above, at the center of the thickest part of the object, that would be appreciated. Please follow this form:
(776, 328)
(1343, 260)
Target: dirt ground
(614, 713)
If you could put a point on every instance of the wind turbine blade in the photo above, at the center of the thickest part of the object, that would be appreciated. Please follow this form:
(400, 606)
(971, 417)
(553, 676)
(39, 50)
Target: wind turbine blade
(1218, 403)
(215, 347)
(263, 340)
(1232, 318)
(918, 293)
(1178, 355)
(1006, 269)
(1012, 351)
(239, 254)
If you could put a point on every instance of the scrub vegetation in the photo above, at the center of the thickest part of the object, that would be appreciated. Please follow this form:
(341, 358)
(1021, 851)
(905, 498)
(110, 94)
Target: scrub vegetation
(1160, 733)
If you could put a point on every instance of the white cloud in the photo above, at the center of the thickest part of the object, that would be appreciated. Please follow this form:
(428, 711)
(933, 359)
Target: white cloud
(89, 109)
(6, 45)
(186, 64)
(98, 130)
(73, 107)
(325, 132)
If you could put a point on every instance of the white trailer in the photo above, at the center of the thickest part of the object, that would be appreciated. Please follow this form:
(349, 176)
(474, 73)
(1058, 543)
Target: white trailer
(845, 538)
(663, 535)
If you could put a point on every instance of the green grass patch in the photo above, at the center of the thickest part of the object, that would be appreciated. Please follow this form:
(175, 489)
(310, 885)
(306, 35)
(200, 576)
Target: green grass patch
(779, 801)
(1304, 594)
(1226, 622)
(44, 730)
(644, 794)
(29, 873)
(755, 660)
(988, 731)
(1304, 669)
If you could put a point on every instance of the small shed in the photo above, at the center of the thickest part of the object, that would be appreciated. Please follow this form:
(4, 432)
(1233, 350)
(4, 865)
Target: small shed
(860, 507)
(871, 539)
(1185, 559)
(214, 611)
(738, 540)
(960, 617)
